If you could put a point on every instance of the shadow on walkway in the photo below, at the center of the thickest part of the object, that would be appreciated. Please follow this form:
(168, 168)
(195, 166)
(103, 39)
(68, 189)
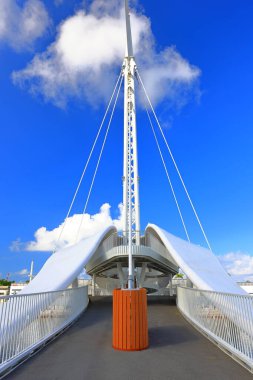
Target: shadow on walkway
(162, 336)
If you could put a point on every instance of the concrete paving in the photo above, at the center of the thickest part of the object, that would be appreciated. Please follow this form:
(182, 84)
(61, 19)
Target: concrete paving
(177, 351)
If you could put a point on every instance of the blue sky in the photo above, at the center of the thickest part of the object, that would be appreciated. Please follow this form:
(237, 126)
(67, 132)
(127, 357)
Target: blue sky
(47, 128)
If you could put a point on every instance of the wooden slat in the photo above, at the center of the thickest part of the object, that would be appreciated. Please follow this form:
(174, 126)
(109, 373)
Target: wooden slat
(137, 318)
(133, 319)
(141, 317)
(130, 328)
(120, 321)
(114, 319)
(124, 316)
(128, 320)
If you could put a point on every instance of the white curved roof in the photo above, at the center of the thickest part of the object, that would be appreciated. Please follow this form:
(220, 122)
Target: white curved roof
(63, 267)
(199, 264)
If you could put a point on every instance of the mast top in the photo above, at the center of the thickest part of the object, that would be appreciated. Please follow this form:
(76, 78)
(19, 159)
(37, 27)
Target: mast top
(129, 47)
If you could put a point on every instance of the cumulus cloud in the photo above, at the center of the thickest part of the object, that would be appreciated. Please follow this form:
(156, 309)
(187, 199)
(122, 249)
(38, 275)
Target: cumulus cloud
(21, 26)
(89, 49)
(169, 75)
(22, 272)
(47, 240)
(238, 264)
(105, 7)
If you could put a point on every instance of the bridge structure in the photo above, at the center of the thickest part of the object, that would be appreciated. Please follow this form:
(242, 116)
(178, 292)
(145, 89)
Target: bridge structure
(213, 303)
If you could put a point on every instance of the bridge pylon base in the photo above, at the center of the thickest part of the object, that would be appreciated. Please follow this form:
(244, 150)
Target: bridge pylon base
(130, 322)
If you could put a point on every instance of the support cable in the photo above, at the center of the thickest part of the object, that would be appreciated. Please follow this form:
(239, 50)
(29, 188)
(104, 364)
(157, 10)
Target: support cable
(174, 162)
(88, 160)
(99, 159)
(167, 174)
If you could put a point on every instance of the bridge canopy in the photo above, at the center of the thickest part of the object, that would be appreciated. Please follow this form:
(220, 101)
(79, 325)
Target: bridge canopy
(199, 264)
(159, 250)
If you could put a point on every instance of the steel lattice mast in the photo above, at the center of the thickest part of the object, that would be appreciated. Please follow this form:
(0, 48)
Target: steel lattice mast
(131, 205)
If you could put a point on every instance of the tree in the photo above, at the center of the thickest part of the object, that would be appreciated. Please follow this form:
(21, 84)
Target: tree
(4, 282)
(179, 275)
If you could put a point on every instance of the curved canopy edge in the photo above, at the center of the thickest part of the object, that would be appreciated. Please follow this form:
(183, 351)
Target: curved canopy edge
(63, 267)
(199, 264)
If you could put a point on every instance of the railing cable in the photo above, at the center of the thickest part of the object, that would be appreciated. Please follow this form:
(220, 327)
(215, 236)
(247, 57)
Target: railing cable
(167, 174)
(173, 160)
(99, 159)
(88, 160)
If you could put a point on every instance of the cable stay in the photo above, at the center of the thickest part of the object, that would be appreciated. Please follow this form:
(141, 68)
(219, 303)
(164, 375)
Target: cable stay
(99, 158)
(117, 91)
(173, 160)
(167, 174)
(89, 158)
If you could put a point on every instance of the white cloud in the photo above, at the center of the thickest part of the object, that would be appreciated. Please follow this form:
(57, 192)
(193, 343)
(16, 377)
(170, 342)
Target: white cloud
(168, 74)
(90, 47)
(238, 264)
(105, 7)
(22, 272)
(20, 26)
(15, 245)
(47, 240)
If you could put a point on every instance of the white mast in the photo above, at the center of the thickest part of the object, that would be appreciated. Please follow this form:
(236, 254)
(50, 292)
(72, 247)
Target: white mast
(131, 206)
(31, 272)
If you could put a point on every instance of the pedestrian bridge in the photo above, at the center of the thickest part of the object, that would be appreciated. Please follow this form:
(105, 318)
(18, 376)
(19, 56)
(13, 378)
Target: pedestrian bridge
(157, 250)
(51, 303)
(177, 350)
(214, 305)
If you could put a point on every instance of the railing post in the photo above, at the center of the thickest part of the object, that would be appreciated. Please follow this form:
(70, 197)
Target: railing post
(223, 317)
(171, 285)
(93, 285)
(27, 321)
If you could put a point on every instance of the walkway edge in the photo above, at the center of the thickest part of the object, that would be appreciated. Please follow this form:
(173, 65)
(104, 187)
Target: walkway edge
(222, 346)
(36, 348)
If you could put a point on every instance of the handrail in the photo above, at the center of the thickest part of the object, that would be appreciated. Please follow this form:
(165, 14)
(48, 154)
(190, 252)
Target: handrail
(147, 240)
(225, 318)
(28, 321)
(10, 296)
(216, 292)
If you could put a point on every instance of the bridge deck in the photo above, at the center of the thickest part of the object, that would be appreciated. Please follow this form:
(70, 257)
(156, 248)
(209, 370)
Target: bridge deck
(177, 351)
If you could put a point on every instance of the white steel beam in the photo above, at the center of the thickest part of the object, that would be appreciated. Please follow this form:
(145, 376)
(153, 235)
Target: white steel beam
(143, 274)
(131, 204)
(129, 51)
(121, 275)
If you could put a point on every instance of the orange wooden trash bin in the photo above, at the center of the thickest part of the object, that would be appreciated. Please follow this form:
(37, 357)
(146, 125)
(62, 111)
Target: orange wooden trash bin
(130, 323)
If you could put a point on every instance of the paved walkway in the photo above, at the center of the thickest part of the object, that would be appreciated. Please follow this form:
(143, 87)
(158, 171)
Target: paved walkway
(177, 351)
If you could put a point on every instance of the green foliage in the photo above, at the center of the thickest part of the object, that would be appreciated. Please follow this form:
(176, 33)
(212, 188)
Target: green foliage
(179, 275)
(4, 282)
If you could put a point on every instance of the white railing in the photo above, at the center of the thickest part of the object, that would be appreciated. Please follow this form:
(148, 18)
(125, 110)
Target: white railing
(225, 318)
(28, 321)
(121, 243)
